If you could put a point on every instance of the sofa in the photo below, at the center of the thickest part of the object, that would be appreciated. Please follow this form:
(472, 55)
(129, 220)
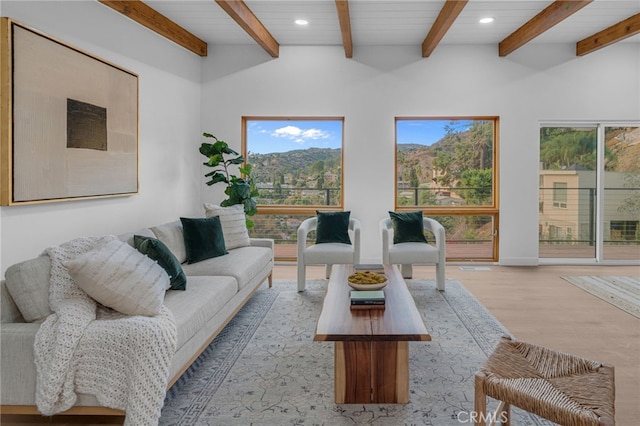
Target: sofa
(216, 288)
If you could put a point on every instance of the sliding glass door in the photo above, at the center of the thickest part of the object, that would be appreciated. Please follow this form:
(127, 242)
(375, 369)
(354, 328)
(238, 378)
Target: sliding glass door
(589, 197)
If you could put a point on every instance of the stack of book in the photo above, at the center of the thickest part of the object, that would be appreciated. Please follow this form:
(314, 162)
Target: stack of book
(367, 299)
(371, 267)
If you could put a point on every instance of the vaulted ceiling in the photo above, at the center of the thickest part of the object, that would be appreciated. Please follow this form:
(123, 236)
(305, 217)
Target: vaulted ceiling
(426, 24)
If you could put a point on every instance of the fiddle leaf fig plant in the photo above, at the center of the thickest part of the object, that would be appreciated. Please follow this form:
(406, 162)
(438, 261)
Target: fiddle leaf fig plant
(240, 189)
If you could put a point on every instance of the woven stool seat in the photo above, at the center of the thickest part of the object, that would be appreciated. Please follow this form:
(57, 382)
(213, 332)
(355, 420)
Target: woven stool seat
(563, 388)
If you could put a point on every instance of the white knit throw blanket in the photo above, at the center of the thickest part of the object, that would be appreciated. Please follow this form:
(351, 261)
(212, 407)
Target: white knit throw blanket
(86, 348)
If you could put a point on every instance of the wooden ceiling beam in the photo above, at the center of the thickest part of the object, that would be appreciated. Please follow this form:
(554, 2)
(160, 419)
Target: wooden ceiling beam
(155, 21)
(623, 29)
(345, 26)
(244, 17)
(447, 16)
(553, 14)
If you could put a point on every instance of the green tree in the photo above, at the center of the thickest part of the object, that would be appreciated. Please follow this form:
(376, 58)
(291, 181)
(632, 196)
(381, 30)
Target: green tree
(564, 147)
(476, 186)
(317, 167)
(426, 197)
(442, 163)
(481, 140)
(413, 178)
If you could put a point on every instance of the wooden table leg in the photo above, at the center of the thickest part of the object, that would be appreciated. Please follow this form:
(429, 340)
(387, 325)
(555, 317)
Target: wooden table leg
(371, 372)
(353, 372)
(390, 379)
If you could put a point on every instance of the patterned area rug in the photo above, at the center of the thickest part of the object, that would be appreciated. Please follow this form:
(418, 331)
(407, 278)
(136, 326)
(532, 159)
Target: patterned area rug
(265, 368)
(621, 292)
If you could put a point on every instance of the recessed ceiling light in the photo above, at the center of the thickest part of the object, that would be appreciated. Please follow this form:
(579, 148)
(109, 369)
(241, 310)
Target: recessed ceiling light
(487, 20)
(301, 22)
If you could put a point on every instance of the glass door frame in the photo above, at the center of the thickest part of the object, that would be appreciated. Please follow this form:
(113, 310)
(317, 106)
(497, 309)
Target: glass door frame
(600, 127)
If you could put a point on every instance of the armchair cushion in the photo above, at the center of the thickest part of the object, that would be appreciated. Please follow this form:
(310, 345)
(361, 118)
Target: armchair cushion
(203, 238)
(332, 227)
(408, 227)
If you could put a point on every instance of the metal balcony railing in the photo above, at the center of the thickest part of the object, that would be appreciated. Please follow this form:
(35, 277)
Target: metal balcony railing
(302, 195)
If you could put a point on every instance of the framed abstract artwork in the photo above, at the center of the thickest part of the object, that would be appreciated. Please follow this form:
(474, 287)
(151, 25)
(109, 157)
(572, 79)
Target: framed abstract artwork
(69, 121)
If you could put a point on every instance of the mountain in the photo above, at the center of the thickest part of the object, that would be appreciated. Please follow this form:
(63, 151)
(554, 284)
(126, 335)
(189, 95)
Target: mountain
(297, 162)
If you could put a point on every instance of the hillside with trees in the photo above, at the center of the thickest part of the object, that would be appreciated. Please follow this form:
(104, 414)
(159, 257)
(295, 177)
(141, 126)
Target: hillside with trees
(462, 159)
(291, 177)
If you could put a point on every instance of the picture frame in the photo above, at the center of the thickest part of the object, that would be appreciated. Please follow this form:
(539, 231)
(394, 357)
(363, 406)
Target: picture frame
(69, 121)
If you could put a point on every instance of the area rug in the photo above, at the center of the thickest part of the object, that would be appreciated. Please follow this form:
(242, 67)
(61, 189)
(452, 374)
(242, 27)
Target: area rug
(620, 291)
(265, 368)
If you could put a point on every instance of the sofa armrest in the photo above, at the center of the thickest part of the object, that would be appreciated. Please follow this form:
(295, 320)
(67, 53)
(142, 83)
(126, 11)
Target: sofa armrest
(18, 369)
(262, 242)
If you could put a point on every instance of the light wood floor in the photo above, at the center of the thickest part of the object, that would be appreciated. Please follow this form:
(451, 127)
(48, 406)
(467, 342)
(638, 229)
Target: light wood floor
(538, 306)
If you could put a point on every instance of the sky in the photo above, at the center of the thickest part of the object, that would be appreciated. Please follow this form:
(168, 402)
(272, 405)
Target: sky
(424, 132)
(265, 136)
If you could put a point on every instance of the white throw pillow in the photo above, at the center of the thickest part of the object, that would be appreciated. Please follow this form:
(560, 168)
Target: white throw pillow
(120, 277)
(234, 225)
(172, 235)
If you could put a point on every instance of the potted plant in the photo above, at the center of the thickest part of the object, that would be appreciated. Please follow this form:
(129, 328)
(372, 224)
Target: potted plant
(240, 189)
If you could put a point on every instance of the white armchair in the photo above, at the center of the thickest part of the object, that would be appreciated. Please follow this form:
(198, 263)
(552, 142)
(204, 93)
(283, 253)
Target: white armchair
(326, 253)
(409, 254)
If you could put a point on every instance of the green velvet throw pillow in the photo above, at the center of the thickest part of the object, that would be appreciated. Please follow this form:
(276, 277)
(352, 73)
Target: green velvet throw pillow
(158, 251)
(332, 227)
(408, 227)
(203, 238)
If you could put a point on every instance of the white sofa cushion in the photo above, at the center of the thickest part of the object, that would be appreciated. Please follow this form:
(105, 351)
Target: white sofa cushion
(203, 299)
(234, 264)
(120, 277)
(234, 224)
(28, 285)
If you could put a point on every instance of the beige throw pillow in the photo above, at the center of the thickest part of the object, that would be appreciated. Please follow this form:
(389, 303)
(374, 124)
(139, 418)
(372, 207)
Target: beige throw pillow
(120, 277)
(172, 236)
(234, 225)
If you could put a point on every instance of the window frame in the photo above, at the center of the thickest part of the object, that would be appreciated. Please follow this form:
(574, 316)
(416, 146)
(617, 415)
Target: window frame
(559, 195)
(270, 209)
(491, 210)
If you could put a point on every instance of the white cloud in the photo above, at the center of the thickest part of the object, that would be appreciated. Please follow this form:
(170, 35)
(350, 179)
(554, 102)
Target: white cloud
(287, 132)
(299, 135)
(315, 134)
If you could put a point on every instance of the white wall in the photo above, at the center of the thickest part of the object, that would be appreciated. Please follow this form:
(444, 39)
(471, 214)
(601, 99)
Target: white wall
(535, 83)
(182, 95)
(169, 129)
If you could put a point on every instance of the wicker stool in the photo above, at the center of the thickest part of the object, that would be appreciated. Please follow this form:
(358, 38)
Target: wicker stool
(563, 388)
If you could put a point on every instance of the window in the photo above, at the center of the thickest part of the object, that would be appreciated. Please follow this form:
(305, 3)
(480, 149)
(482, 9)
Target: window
(446, 168)
(624, 230)
(560, 194)
(297, 168)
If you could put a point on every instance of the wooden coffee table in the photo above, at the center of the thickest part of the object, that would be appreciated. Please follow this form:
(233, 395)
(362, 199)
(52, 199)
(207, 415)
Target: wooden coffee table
(371, 345)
